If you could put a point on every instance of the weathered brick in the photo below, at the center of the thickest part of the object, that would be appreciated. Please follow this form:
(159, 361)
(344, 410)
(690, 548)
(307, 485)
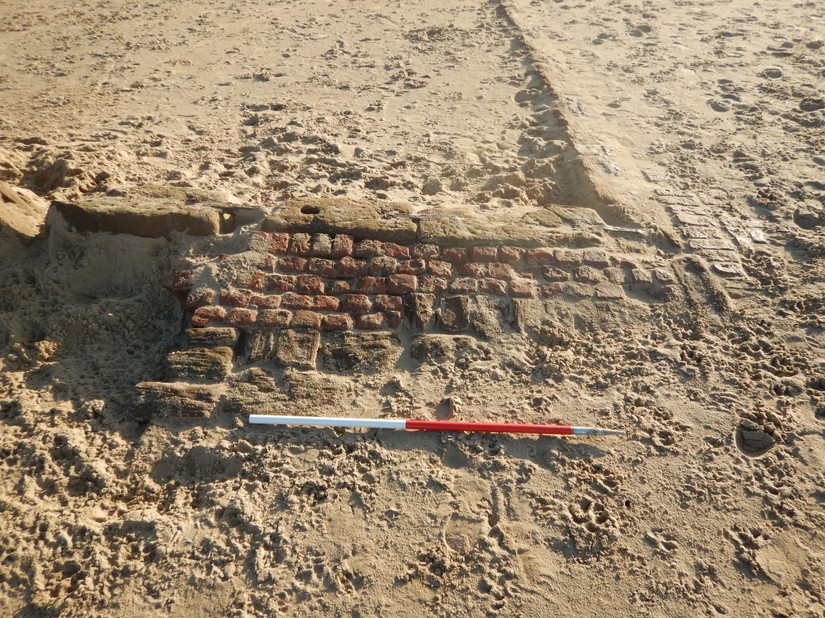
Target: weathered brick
(241, 317)
(208, 315)
(374, 285)
(370, 321)
(540, 257)
(596, 257)
(615, 275)
(454, 314)
(321, 245)
(568, 257)
(322, 267)
(200, 297)
(265, 302)
(402, 284)
(326, 303)
(420, 309)
(309, 284)
(299, 245)
(464, 285)
(276, 243)
(393, 319)
(385, 302)
(430, 283)
(338, 287)
(483, 254)
(306, 319)
(299, 348)
(587, 274)
(267, 264)
(523, 288)
(472, 269)
(641, 280)
(342, 245)
(440, 268)
(235, 298)
(357, 303)
(348, 267)
(274, 318)
(412, 267)
(181, 282)
(608, 291)
(212, 337)
(550, 289)
(382, 266)
(337, 322)
(280, 283)
(554, 275)
(292, 264)
(501, 271)
(291, 300)
(510, 254)
(396, 251)
(368, 248)
(455, 255)
(254, 281)
(493, 286)
(427, 251)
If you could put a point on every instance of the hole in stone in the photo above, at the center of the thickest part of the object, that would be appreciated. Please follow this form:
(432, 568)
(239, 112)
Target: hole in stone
(310, 210)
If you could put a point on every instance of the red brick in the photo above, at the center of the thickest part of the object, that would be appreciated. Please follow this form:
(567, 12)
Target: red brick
(384, 302)
(440, 268)
(292, 264)
(493, 286)
(357, 303)
(429, 283)
(241, 317)
(181, 282)
(464, 285)
(200, 297)
(320, 266)
(306, 319)
(281, 283)
(550, 289)
(540, 257)
(349, 267)
(326, 303)
(337, 321)
(208, 315)
(455, 255)
(254, 281)
(396, 251)
(339, 287)
(299, 245)
(393, 318)
(274, 318)
(382, 266)
(342, 245)
(402, 284)
(235, 298)
(370, 321)
(296, 301)
(522, 288)
(412, 267)
(368, 248)
(510, 254)
(473, 269)
(375, 285)
(321, 245)
(276, 243)
(483, 254)
(427, 251)
(309, 284)
(265, 302)
(501, 271)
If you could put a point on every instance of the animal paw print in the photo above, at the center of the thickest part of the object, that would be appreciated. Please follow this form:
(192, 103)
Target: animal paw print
(661, 540)
(592, 526)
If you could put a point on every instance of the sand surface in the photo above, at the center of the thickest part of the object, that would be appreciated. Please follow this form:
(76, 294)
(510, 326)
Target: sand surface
(682, 139)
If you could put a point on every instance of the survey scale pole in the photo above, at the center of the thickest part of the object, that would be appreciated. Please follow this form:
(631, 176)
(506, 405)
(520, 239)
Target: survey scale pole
(419, 425)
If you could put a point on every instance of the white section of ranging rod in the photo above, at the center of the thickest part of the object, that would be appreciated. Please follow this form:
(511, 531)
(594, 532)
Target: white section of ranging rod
(328, 421)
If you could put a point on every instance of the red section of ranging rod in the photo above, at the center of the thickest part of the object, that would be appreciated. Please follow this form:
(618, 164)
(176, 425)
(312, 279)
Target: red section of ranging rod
(558, 430)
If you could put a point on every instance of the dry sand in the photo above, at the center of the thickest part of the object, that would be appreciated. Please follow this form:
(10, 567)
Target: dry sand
(689, 136)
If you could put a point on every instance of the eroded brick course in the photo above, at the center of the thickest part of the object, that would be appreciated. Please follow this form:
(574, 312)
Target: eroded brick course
(274, 318)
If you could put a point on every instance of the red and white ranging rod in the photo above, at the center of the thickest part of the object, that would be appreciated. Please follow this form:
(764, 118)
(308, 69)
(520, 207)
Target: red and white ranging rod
(385, 423)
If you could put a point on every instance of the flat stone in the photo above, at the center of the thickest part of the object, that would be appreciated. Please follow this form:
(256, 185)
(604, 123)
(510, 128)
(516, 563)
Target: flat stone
(361, 351)
(608, 291)
(151, 212)
(200, 363)
(175, 399)
(298, 348)
(212, 337)
(261, 346)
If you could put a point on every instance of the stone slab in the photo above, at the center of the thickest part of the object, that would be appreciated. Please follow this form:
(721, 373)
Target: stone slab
(175, 400)
(200, 363)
